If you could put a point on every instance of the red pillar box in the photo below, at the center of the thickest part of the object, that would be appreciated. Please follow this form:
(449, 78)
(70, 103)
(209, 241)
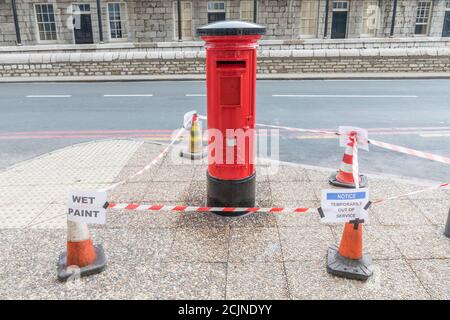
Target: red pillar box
(231, 82)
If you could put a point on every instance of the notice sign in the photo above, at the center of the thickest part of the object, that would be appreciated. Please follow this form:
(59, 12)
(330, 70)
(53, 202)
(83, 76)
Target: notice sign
(344, 205)
(86, 206)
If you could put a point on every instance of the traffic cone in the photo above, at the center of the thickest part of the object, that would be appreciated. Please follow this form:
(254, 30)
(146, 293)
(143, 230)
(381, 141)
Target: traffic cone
(82, 256)
(344, 177)
(349, 260)
(194, 148)
(447, 226)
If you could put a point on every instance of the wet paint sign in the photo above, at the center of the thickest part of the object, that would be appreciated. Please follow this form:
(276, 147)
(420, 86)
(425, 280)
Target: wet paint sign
(86, 206)
(344, 205)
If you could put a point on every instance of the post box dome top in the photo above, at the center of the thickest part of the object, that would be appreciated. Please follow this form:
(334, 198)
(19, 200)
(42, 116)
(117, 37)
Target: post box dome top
(231, 28)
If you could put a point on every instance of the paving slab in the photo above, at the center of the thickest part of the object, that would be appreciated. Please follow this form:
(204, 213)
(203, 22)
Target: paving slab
(291, 191)
(307, 280)
(392, 280)
(437, 212)
(255, 245)
(310, 243)
(200, 244)
(434, 275)
(421, 242)
(161, 192)
(256, 280)
(399, 212)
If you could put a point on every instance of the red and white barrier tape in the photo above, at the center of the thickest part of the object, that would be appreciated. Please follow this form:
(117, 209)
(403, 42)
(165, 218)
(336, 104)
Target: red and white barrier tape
(141, 207)
(440, 186)
(416, 153)
(389, 146)
(149, 165)
(181, 208)
(355, 165)
(297, 129)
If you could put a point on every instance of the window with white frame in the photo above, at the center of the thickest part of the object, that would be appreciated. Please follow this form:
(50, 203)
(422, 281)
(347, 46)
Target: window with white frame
(45, 19)
(246, 8)
(447, 5)
(216, 11)
(216, 6)
(423, 17)
(81, 7)
(117, 17)
(370, 18)
(308, 18)
(186, 19)
(340, 5)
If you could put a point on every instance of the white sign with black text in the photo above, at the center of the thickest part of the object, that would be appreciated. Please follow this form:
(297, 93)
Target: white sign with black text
(344, 205)
(86, 206)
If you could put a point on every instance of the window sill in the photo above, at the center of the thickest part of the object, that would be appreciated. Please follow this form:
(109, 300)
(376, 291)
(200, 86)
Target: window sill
(48, 42)
(119, 40)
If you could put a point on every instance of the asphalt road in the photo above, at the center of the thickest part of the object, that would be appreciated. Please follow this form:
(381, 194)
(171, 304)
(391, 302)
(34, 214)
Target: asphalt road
(39, 117)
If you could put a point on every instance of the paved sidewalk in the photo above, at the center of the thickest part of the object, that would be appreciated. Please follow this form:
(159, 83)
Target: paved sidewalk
(204, 256)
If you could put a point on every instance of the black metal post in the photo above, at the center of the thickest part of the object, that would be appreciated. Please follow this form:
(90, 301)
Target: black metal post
(327, 8)
(394, 15)
(100, 23)
(180, 35)
(255, 10)
(16, 22)
(447, 226)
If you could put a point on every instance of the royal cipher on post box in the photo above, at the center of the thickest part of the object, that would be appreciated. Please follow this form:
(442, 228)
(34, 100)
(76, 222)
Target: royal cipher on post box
(231, 83)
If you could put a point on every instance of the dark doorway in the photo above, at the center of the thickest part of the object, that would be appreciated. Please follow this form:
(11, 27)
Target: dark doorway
(83, 29)
(216, 16)
(446, 30)
(339, 25)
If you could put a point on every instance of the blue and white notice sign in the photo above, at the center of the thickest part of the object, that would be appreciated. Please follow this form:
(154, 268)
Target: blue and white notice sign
(344, 205)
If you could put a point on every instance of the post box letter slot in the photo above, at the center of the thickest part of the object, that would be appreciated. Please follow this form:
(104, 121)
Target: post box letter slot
(231, 64)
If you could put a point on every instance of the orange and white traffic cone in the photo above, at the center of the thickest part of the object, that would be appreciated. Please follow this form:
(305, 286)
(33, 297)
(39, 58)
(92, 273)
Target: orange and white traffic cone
(349, 260)
(344, 177)
(81, 257)
(194, 148)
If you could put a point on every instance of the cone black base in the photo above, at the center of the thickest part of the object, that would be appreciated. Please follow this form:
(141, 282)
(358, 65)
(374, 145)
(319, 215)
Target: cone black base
(192, 156)
(349, 268)
(98, 266)
(335, 182)
(231, 193)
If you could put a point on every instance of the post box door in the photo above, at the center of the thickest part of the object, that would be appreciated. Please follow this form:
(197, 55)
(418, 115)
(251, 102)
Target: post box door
(236, 115)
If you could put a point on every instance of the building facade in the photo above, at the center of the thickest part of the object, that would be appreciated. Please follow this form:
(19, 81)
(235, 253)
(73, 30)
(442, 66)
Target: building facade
(34, 22)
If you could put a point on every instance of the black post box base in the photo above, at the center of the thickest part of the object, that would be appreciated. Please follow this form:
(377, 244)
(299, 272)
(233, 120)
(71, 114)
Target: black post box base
(231, 193)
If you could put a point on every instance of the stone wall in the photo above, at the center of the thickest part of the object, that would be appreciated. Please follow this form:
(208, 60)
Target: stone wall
(275, 57)
(7, 32)
(109, 66)
(150, 20)
(155, 20)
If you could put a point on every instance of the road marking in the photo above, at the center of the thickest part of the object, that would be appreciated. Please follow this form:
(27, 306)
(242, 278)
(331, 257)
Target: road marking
(365, 80)
(195, 95)
(339, 96)
(127, 95)
(50, 96)
(435, 135)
